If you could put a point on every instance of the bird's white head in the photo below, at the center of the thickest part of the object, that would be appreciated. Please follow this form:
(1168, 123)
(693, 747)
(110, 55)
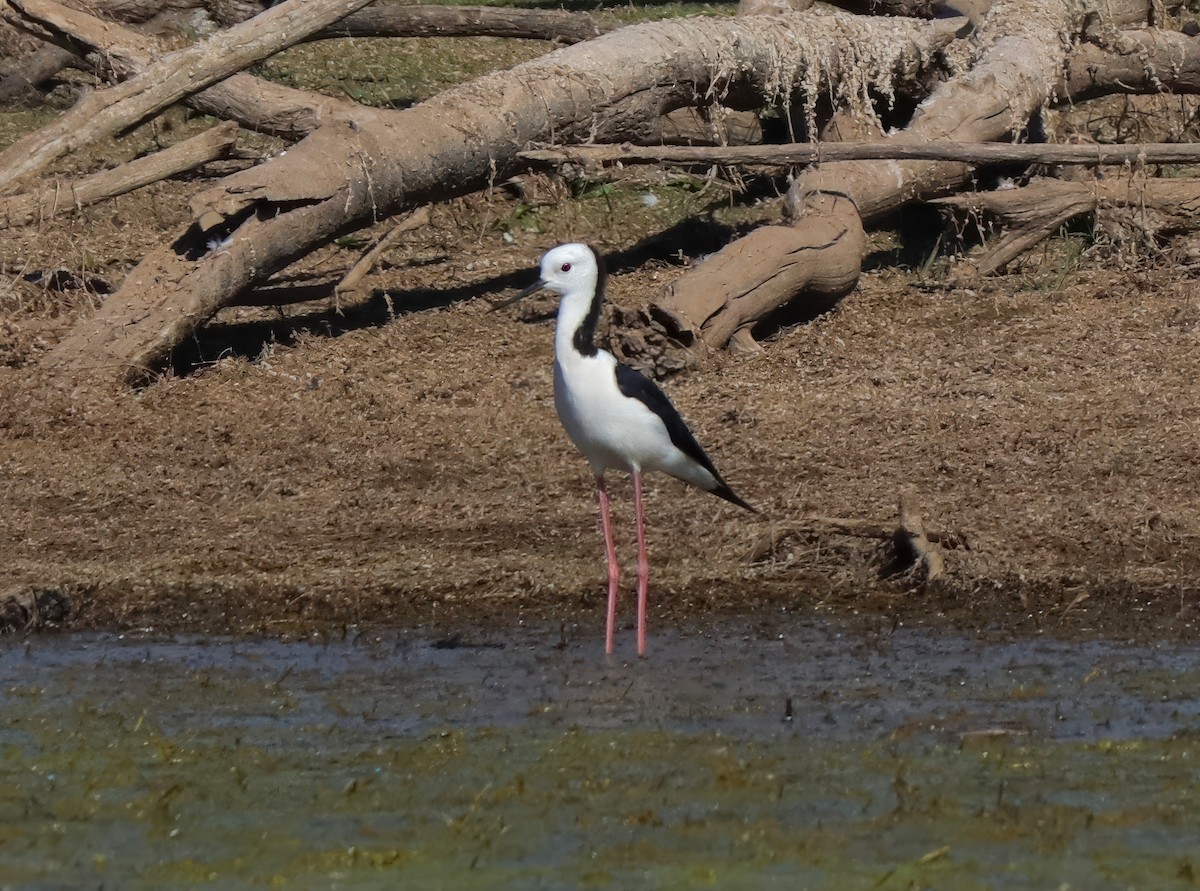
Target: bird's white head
(570, 269)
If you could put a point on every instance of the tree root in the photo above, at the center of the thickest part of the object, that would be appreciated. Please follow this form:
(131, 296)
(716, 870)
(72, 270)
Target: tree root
(915, 548)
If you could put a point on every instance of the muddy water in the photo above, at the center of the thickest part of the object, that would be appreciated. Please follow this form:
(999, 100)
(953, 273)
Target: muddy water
(820, 758)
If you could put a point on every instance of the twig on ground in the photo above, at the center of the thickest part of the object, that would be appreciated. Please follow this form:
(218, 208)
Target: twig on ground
(352, 279)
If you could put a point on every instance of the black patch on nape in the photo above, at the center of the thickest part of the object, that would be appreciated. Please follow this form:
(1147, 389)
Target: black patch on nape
(585, 335)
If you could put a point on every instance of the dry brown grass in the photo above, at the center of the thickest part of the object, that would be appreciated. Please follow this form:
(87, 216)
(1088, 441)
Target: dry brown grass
(413, 470)
(401, 462)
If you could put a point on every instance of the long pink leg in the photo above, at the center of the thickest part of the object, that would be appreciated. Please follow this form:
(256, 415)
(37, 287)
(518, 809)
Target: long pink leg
(643, 565)
(614, 570)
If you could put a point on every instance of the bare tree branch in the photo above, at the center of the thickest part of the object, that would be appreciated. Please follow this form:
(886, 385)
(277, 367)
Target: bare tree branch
(21, 210)
(800, 154)
(176, 75)
(352, 279)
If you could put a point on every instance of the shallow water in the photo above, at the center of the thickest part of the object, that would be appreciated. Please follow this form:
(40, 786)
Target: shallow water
(820, 759)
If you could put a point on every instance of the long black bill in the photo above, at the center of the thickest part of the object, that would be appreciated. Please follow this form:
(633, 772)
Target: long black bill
(532, 289)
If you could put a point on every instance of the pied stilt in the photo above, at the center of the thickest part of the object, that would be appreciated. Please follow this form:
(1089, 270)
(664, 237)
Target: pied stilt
(618, 418)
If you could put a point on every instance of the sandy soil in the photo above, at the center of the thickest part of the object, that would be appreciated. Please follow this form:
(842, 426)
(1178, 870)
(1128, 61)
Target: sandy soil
(400, 462)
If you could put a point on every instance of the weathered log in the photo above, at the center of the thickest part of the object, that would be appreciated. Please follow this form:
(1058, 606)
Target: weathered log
(178, 74)
(560, 26)
(1029, 215)
(393, 20)
(800, 154)
(1034, 212)
(20, 79)
(253, 103)
(1132, 62)
(826, 255)
(21, 76)
(1146, 61)
(691, 126)
(21, 210)
(1020, 53)
(343, 176)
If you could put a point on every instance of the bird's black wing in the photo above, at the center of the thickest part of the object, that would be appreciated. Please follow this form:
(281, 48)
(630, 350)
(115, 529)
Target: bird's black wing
(635, 385)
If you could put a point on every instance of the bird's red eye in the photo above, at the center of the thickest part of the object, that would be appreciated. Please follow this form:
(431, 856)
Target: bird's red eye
(566, 267)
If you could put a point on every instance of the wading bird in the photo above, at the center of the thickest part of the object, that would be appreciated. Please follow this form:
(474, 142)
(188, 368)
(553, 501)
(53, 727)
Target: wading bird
(618, 418)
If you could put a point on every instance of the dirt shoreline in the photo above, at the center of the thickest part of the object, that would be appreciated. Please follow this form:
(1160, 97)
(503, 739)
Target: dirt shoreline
(410, 471)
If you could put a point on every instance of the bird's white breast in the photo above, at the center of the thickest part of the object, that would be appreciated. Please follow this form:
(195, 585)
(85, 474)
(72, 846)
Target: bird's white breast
(613, 431)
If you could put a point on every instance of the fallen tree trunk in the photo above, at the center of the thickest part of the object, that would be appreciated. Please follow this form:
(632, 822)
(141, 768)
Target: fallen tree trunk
(346, 175)
(1022, 49)
(178, 74)
(1033, 212)
(559, 25)
(390, 21)
(803, 153)
(253, 103)
(1134, 62)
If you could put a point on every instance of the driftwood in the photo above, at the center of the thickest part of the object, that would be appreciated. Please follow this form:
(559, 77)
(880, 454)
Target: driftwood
(560, 26)
(1018, 61)
(800, 154)
(384, 161)
(1035, 211)
(357, 165)
(21, 210)
(186, 71)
